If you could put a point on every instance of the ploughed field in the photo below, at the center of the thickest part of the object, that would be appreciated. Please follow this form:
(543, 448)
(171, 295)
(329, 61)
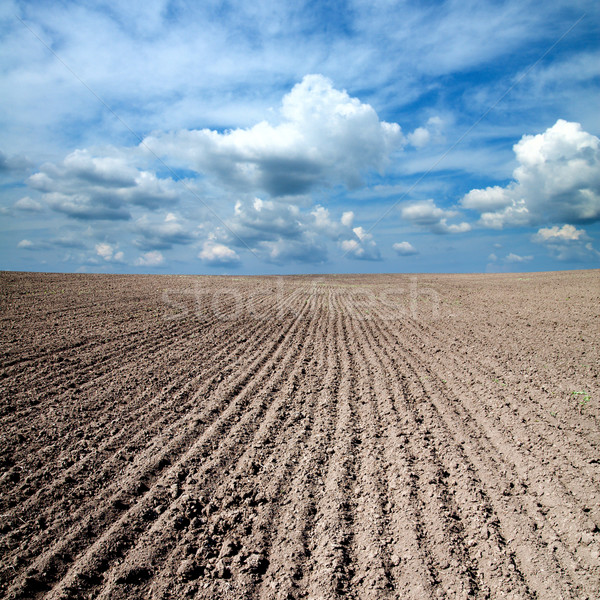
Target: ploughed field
(320, 437)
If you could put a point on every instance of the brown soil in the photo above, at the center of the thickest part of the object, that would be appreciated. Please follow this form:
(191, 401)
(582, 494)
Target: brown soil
(300, 437)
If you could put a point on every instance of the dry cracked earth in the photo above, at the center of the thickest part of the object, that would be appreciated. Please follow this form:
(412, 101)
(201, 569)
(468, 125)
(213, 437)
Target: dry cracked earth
(319, 437)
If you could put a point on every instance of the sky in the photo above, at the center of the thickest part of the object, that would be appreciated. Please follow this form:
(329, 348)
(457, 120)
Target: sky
(262, 137)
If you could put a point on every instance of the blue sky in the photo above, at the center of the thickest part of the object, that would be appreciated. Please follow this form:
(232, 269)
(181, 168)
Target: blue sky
(299, 137)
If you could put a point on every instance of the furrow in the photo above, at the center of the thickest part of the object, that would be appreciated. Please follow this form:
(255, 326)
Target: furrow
(216, 445)
(441, 489)
(148, 410)
(171, 425)
(519, 415)
(374, 558)
(563, 514)
(333, 536)
(154, 457)
(290, 560)
(426, 542)
(228, 542)
(454, 427)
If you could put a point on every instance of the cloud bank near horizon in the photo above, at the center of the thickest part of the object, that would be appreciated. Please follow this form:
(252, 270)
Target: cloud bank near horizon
(557, 180)
(299, 139)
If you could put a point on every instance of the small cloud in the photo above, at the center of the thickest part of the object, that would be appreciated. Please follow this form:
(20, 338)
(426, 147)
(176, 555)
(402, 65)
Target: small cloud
(104, 250)
(84, 208)
(347, 245)
(361, 234)
(405, 249)
(363, 248)
(555, 234)
(161, 235)
(566, 243)
(492, 257)
(347, 219)
(26, 244)
(489, 199)
(215, 254)
(419, 137)
(427, 215)
(281, 232)
(28, 204)
(515, 258)
(84, 186)
(107, 252)
(432, 132)
(154, 258)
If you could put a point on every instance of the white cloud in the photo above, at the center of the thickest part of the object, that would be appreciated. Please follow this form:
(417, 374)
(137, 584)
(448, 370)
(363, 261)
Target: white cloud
(557, 180)
(154, 258)
(427, 215)
(361, 234)
(490, 199)
(265, 220)
(280, 232)
(84, 186)
(104, 250)
(419, 137)
(162, 234)
(324, 137)
(363, 247)
(405, 249)
(566, 243)
(83, 207)
(107, 252)
(432, 132)
(25, 244)
(516, 214)
(515, 258)
(28, 204)
(216, 254)
(564, 233)
(350, 246)
(348, 218)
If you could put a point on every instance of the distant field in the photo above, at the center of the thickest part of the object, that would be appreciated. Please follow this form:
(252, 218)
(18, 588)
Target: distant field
(366, 437)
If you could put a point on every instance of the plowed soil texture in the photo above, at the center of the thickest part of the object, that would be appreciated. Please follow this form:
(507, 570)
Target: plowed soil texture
(319, 437)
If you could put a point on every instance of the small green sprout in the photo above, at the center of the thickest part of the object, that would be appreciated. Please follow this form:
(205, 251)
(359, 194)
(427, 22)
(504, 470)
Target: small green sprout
(583, 402)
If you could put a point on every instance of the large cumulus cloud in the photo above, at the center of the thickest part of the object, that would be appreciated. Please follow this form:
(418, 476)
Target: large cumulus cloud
(557, 181)
(324, 137)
